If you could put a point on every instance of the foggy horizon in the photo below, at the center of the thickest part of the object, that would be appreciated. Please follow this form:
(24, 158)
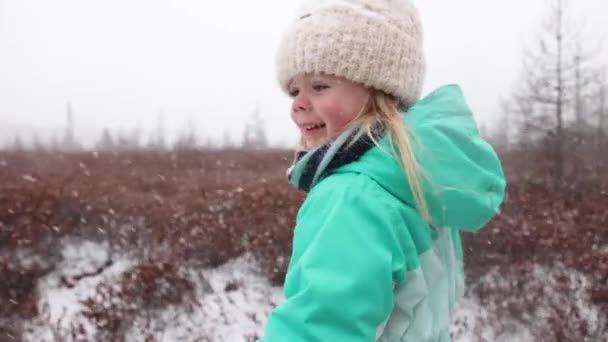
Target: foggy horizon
(119, 64)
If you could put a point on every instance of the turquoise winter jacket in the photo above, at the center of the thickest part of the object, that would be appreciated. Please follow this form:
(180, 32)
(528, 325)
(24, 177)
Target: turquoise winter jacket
(365, 266)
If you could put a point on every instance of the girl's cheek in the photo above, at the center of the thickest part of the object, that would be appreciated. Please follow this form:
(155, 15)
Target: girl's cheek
(340, 119)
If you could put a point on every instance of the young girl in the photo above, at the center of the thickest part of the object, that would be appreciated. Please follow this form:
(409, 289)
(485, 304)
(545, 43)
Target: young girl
(391, 179)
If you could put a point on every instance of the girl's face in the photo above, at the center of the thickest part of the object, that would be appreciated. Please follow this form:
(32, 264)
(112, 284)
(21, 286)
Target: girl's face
(323, 105)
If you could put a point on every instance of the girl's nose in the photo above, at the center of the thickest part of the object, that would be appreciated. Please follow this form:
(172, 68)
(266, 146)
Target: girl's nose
(300, 103)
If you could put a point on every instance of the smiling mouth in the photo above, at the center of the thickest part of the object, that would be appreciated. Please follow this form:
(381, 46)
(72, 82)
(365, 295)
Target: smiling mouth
(312, 128)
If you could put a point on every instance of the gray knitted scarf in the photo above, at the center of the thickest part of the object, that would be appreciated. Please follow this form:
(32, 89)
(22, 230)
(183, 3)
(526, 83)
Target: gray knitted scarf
(309, 167)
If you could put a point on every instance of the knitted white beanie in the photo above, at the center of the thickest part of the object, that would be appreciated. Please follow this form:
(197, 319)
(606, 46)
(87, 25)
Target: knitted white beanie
(377, 43)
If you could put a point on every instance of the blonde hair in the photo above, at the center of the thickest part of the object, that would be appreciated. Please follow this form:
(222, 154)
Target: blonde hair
(383, 109)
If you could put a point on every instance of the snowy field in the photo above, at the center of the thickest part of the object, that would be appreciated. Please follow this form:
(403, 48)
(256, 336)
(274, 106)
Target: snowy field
(231, 303)
(155, 221)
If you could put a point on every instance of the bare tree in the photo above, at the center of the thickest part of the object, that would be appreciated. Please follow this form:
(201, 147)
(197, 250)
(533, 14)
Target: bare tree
(601, 110)
(157, 141)
(578, 142)
(37, 144)
(106, 142)
(254, 135)
(227, 140)
(18, 145)
(555, 80)
(583, 83)
(128, 140)
(209, 144)
(69, 141)
(187, 140)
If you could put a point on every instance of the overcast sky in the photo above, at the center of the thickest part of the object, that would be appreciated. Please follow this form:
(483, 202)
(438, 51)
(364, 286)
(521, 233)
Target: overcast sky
(121, 62)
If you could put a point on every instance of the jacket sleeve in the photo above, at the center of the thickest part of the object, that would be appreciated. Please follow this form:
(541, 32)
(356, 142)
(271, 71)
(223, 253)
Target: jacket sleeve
(339, 285)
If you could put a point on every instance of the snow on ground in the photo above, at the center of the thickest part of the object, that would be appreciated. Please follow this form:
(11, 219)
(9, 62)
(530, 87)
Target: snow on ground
(469, 325)
(542, 294)
(232, 303)
(60, 305)
(235, 301)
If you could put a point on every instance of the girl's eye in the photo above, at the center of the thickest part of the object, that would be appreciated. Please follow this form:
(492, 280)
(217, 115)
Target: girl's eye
(319, 87)
(294, 92)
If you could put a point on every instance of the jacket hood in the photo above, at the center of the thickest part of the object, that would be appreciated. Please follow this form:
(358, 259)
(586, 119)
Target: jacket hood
(462, 177)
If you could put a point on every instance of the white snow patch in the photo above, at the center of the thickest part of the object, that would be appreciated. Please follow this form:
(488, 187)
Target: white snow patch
(470, 324)
(234, 302)
(543, 292)
(60, 305)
